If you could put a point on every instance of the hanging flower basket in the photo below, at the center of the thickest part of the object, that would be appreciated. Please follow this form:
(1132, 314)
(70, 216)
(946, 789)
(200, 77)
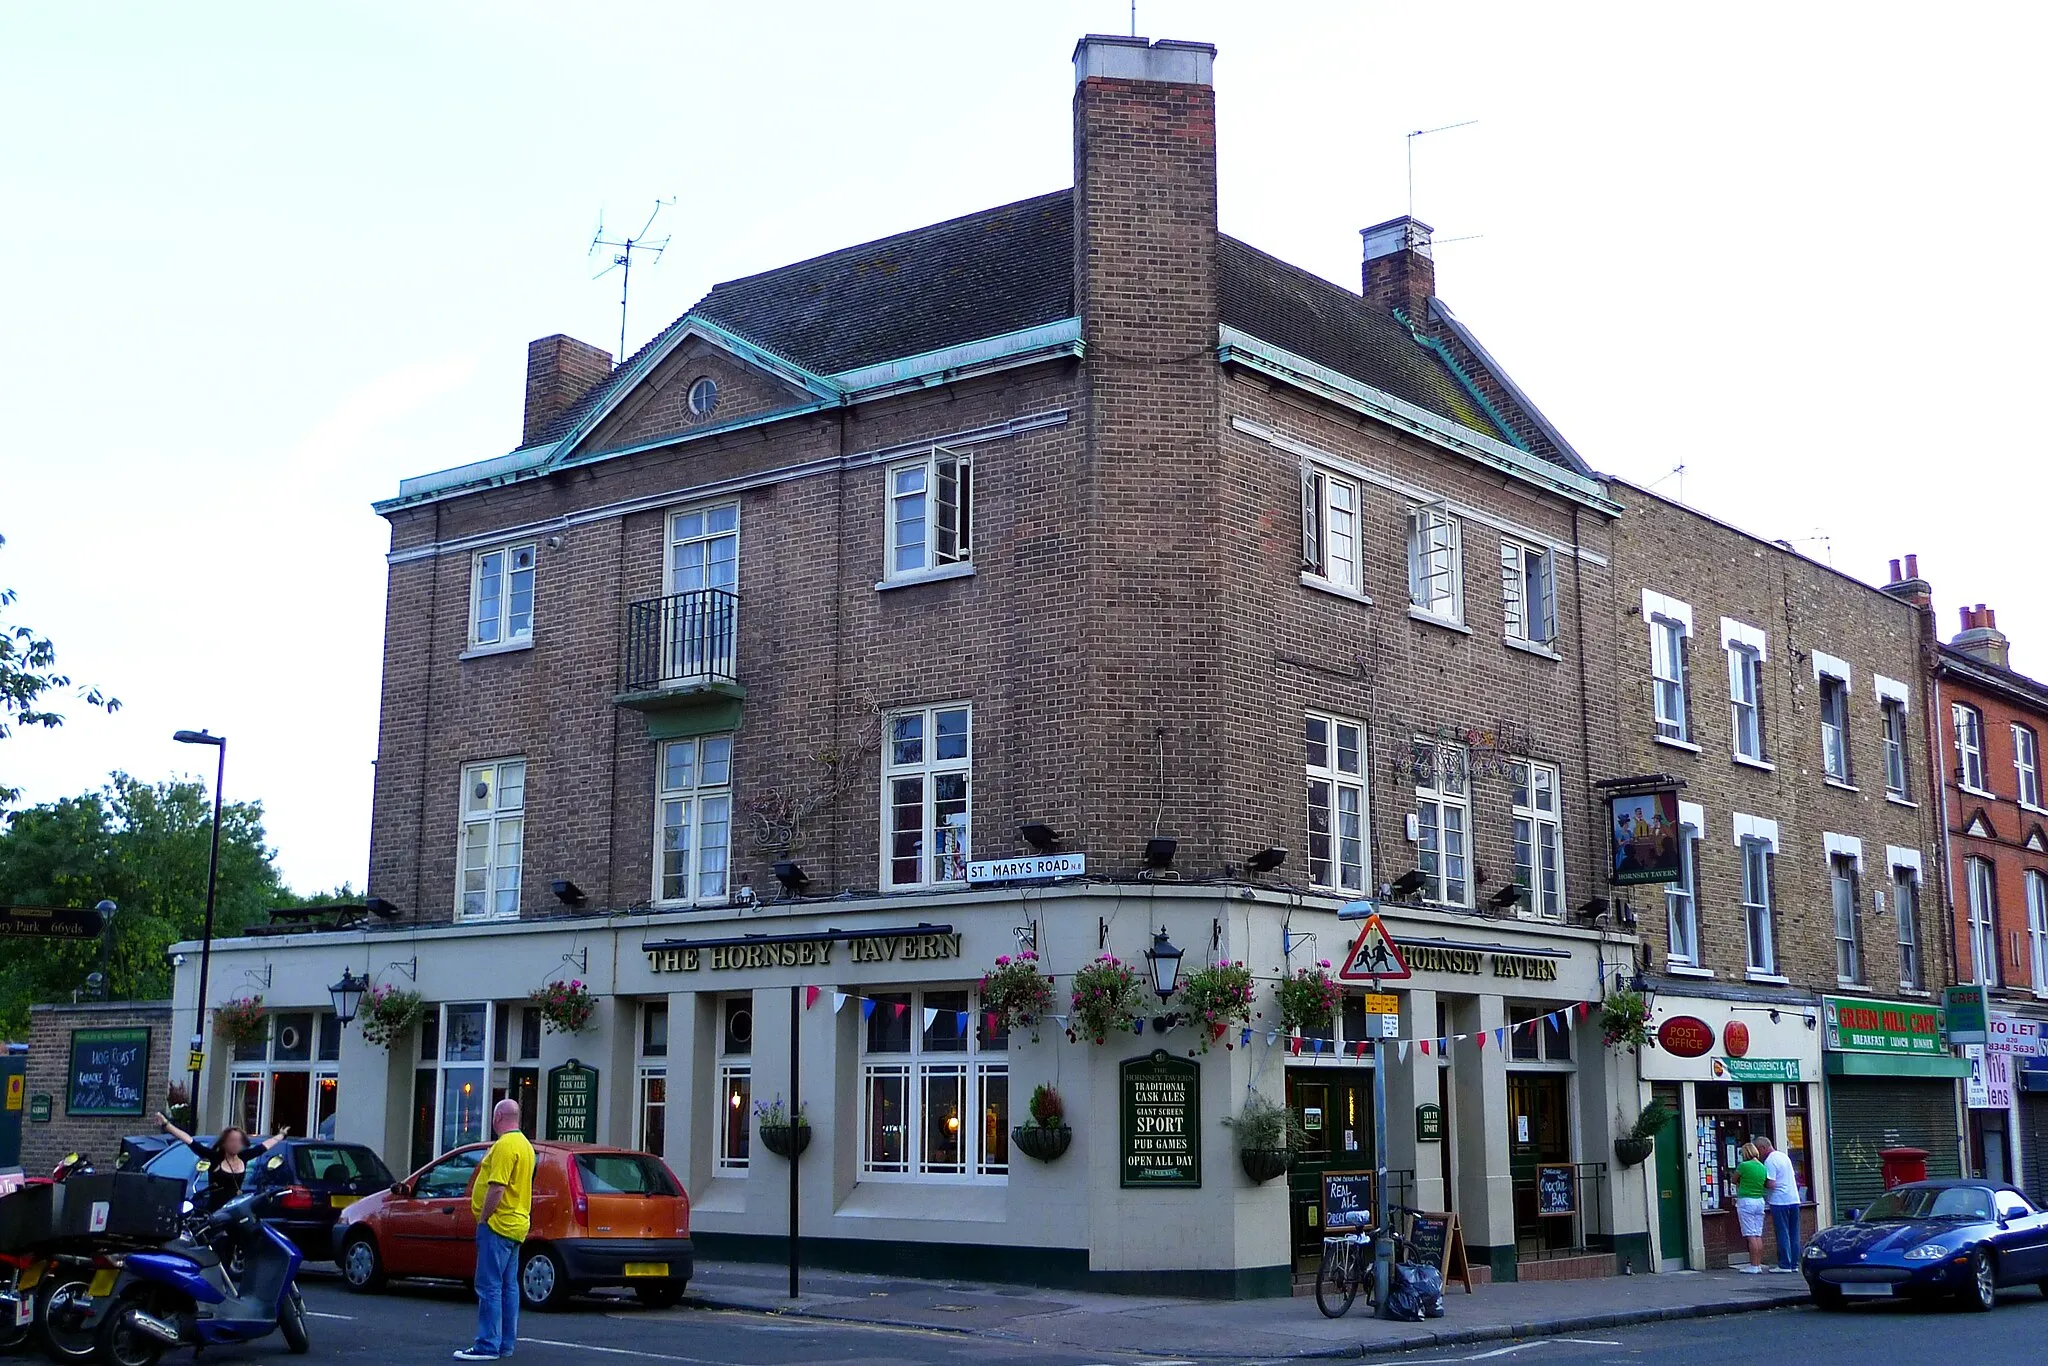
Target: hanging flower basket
(782, 1133)
(1016, 992)
(1631, 1152)
(1625, 1020)
(1308, 1000)
(1046, 1135)
(388, 1014)
(1263, 1164)
(1215, 998)
(565, 1007)
(1268, 1133)
(241, 1021)
(1106, 996)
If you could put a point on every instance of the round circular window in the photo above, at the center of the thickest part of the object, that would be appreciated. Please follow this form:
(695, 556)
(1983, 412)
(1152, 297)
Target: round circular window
(703, 396)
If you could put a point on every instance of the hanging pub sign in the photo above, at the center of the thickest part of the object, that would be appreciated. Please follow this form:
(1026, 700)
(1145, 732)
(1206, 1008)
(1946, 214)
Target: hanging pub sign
(1645, 837)
(572, 1103)
(1161, 1104)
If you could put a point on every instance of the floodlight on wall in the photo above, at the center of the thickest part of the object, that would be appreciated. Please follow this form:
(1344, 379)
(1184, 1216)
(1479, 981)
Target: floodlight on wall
(1159, 852)
(1593, 908)
(791, 875)
(1507, 896)
(568, 893)
(1040, 836)
(1266, 860)
(1408, 884)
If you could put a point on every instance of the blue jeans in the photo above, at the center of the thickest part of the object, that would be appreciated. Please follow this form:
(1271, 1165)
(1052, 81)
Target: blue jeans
(497, 1292)
(1785, 1219)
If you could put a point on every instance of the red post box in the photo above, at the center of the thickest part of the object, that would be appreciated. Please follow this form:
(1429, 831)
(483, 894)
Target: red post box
(1902, 1165)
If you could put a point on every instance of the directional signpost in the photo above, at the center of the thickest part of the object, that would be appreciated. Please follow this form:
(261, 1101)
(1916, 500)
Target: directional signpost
(50, 922)
(1376, 958)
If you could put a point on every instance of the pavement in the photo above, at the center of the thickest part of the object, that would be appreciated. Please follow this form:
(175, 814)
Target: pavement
(1233, 1330)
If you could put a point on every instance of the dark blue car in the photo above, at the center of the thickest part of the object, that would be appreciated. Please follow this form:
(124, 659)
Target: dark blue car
(1928, 1238)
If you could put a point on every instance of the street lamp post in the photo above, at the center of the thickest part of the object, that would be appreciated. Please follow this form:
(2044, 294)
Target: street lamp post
(219, 742)
(106, 910)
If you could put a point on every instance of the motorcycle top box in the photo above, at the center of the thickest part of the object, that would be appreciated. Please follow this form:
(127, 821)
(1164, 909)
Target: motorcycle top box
(26, 1216)
(119, 1205)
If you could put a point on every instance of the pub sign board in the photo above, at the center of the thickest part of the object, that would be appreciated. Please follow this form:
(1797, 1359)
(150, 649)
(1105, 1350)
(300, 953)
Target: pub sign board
(109, 1071)
(1161, 1128)
(1645, 837)
(572, 1103)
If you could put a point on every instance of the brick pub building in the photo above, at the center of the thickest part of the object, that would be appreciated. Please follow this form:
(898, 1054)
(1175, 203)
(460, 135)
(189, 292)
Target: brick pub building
(1069, 527)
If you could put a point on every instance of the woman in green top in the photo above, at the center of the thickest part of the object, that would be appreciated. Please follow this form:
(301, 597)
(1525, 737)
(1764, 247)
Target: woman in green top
(1750, 1179)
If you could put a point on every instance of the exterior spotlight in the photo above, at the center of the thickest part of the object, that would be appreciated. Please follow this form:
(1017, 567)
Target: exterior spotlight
(791, 875)
(1041, 836)
(1159, 852)
(382, 909)
(1266, 860)
(1507, 896)
(1408, 884)
(568, 893)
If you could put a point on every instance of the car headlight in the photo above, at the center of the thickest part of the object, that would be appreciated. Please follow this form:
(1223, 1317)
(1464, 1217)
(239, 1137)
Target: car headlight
(1816, 1250)
(1927, 1252)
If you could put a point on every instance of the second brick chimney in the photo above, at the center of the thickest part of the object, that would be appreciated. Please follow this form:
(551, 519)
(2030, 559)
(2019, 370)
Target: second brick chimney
(1980, 637)
(1399, 270)
(559, 370)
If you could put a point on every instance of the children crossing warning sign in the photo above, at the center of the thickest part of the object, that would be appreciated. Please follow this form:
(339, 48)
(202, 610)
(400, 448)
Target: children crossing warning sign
(1374, 956)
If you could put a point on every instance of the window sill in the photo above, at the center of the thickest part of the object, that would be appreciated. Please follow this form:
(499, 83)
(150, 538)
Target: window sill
(1977, 792)
(510, 647)
(1688, 970)
(2037, 810)
(1775, 979)
(1915, 992)
(1897, 800)
(1335, 590)
(1761, 765)
(1530, 647)
(1688, 746)
(1432, 619)
(964, 570)
(1843, 784)
(969, 1200)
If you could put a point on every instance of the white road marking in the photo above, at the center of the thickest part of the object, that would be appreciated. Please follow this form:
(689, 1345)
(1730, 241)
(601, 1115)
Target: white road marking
(1504, 1351)
(618, 1351)
(1590, 1342)
(316, 1314)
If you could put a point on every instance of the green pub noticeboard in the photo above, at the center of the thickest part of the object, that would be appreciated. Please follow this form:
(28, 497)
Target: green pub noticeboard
(572, 1103)
(1161, 1101)
(109, 1071)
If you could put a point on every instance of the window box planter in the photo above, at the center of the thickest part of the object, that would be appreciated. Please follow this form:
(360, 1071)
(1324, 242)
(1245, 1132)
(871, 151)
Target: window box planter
(1630, 1151)
(1263, 1164)
(1042, 1142)
(785, 1140)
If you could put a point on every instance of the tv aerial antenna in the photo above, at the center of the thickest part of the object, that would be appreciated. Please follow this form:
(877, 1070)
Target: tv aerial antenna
(1423, 133)
(622, 259)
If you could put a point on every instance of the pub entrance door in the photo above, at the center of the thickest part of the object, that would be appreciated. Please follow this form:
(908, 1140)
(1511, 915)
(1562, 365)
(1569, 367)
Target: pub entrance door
(1539, 1134)
(1334, 1108)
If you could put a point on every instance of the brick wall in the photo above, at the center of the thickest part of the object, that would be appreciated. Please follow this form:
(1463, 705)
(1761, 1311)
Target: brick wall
(49, 1066)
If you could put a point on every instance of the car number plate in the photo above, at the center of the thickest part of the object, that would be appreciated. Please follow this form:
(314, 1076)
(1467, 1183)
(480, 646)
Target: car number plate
(24, 1311)
(102, 1282)
(342, 1201)
(647, 1268)
(1866, 1288)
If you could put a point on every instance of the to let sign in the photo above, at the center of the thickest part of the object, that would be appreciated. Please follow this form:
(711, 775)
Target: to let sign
(1854, 1025)
(1161, 1124)
(572, 1103)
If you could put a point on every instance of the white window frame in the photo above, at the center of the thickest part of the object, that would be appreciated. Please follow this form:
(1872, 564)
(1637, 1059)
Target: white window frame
(693, 821)
(1968, 723)
(502, 828)
(2037, 928)
(976, 1066)
(480, 1069)
(1669, 623)
(1748, 649)
(1682, 898)
(1906, 909)
(1337, 788)
(1834, 733)
(735, 1089)
(1443, 807)
(1980, 879)
(1332, 539)
(258, 1074)
(1436, 563)
(1538, 838)
(2026, 765)
(941, 853)
(1897, 776)
(501, 579)
(701, 548)
(913, 498)
(650, 1069)
(1847, 901)
(1528, 573)
(1759, 912)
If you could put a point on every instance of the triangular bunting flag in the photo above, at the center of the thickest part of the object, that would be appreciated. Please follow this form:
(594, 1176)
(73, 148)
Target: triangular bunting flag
(963, 1023)
(1137, 1026)
(1423, 1044)
(1500, 1038)
(867, 1006)
(1479, 1041)
(989, 1023)
(839, 999)
(930, 1013)
(1582, 1010)
(1272, 1037)
(1245, 1038)
(1060, 1020)
(1294, 1045)
(1402, 1048)
(1319, 1046)
(810, 997)
(899, 1007)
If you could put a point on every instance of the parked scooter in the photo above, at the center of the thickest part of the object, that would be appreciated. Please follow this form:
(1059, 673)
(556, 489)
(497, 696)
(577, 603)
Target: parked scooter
(64, 1282)
(182, 1295)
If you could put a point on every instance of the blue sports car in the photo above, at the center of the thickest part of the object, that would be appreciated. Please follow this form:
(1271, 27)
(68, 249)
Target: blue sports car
(1966, 1238)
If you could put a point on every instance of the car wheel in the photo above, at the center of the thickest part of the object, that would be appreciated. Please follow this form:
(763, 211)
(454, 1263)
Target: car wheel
(1982, 1293)
(362, 1270)
(662, 1295)
(1825, 1296)
(543, 1283)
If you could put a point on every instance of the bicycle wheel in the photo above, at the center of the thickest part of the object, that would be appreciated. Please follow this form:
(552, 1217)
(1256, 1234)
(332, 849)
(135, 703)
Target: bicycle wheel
(1337, 1279)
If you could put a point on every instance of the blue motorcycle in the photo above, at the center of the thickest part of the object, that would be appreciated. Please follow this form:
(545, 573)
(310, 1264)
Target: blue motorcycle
(183, 1294)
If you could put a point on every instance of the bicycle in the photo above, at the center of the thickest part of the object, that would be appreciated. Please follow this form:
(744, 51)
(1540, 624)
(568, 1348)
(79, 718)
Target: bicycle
(1347, 1265)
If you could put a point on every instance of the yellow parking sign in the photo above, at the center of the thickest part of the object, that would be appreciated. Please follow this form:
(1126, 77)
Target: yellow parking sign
(1382, 1003)
(17, 1085)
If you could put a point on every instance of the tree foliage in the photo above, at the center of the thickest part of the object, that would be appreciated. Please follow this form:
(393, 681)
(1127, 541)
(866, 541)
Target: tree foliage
(144, 847)
(28, 674)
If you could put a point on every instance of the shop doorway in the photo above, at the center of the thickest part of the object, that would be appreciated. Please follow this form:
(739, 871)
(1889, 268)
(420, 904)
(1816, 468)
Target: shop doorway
(1539, 1135)
(1334, 1108)
(1670, 1171)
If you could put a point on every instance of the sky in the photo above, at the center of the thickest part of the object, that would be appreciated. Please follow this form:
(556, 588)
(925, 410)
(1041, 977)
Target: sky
(259, 262)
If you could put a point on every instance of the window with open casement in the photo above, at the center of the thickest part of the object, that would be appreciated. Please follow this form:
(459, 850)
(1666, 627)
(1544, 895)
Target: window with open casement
(930, 513)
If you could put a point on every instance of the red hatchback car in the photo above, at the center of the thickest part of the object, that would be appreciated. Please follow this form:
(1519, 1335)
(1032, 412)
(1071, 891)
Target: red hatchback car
(601, 1216)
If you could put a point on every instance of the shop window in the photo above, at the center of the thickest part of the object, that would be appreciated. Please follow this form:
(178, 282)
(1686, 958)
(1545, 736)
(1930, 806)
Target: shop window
(529, 1032)
(1539, 840)
(287, 1076)
(735, 1082)
(1443, 815)
(935, 1096)
(925, 776)
(459, 1079)
(1336, 803)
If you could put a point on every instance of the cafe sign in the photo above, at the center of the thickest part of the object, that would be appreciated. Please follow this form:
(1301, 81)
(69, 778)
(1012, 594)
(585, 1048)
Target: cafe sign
(1161, 1128)
(1853, 1025)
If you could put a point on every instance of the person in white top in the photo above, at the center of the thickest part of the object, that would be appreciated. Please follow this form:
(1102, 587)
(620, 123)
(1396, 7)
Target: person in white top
(1781, 1193)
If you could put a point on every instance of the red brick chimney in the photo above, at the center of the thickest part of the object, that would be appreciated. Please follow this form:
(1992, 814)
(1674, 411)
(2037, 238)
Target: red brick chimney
(1908, 585)
(1980, 637)
(559, 370)
(1399, 270)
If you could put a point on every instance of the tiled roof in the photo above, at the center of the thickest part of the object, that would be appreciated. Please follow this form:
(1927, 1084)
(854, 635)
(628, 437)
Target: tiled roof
(1009, 268)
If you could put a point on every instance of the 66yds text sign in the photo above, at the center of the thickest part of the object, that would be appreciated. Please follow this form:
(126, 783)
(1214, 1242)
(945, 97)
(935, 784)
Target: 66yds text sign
(1162, 1121)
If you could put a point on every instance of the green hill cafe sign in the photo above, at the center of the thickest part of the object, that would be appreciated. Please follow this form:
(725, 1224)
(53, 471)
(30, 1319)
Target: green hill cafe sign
(1900, 1029)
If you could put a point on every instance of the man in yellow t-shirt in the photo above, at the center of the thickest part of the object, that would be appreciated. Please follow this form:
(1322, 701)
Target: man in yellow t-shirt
(501, 1197)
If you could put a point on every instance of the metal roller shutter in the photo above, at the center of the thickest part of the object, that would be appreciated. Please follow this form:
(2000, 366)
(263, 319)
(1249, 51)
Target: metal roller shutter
(1867, 1116)
(2034, 1144)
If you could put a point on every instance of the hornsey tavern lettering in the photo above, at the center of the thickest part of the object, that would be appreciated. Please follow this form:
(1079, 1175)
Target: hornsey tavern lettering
(804, 953)
(1471, 962)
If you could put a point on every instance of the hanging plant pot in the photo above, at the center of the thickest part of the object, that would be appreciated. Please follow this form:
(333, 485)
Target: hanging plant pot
(1263, 1164)
(785, 1140)
(1042, 1141)
(1630, 1151)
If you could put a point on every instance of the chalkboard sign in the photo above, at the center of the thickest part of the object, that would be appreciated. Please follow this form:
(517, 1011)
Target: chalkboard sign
(1556, 1191)
(109, 1071)
(1436, 1240)
(1347, 1200)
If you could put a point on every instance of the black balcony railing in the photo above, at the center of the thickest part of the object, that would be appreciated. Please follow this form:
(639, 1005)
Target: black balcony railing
(682, 640)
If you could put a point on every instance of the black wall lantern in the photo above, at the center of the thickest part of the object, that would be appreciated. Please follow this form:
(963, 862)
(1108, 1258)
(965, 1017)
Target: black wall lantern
(348, 995)
(1165, 964)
